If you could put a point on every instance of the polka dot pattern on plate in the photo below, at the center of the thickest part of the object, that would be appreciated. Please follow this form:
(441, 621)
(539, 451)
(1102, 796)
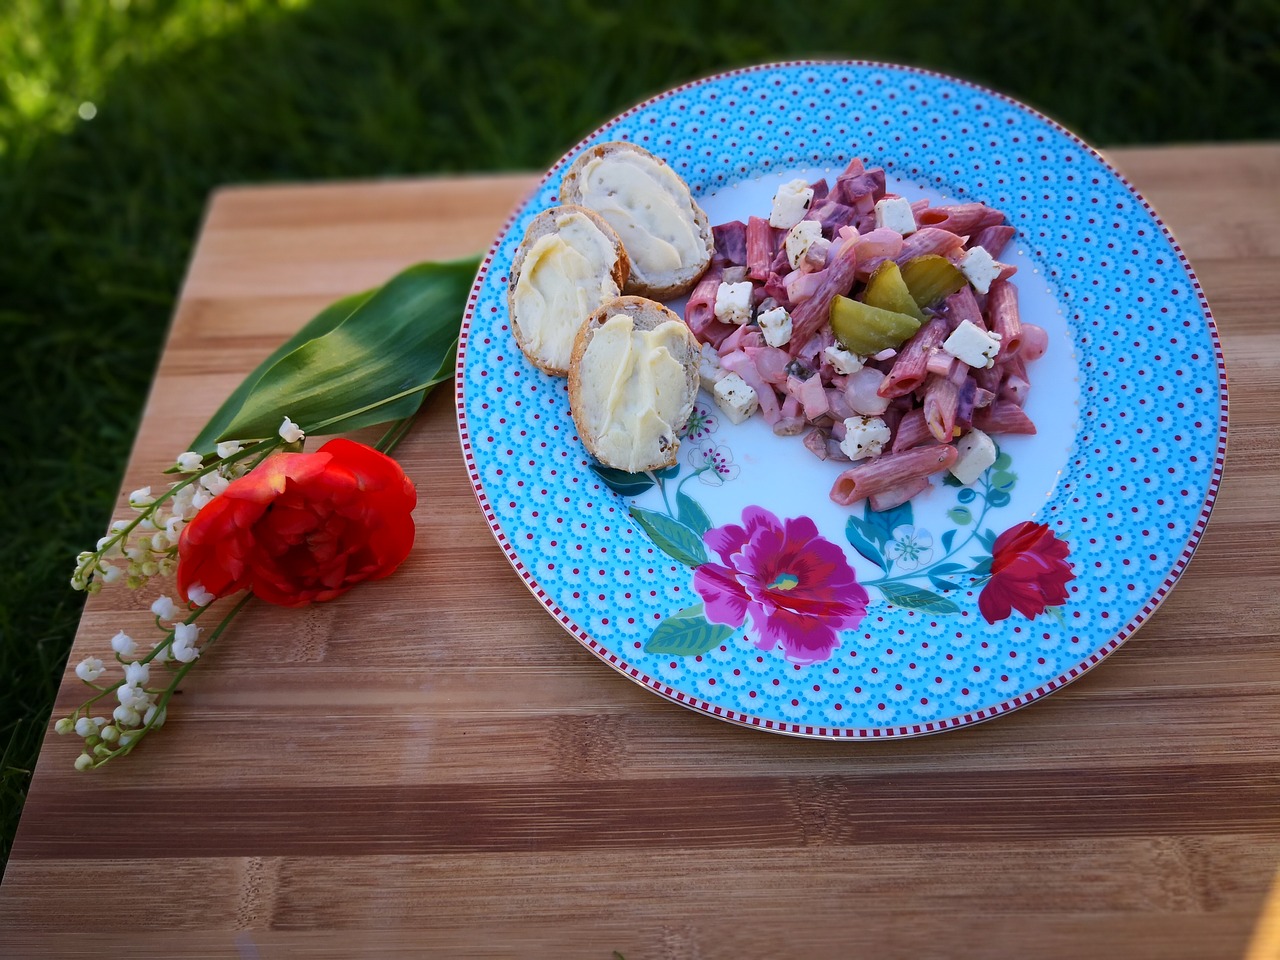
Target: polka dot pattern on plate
(1130, 489)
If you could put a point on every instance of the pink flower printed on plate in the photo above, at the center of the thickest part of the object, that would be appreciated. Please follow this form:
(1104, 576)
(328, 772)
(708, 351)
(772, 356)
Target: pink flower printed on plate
(797, 586)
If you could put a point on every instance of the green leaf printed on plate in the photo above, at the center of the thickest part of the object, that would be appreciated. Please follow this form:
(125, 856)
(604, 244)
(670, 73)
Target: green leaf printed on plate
(672, 537)
(913, 598)
(691, 514)
(687, 634)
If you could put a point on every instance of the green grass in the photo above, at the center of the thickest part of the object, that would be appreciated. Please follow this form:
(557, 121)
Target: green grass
(97, 215)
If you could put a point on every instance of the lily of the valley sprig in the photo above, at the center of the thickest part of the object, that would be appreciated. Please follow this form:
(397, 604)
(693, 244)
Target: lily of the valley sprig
(262, 518)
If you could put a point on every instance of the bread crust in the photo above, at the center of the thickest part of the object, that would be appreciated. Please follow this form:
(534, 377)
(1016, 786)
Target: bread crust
(665, 286)
(541, 225)
(645, 314)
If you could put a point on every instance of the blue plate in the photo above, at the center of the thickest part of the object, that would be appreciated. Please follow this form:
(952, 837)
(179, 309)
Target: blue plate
(731, 584)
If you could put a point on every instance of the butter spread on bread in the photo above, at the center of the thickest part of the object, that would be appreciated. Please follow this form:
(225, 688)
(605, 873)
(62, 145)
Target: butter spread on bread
(569, 263)
(632, 383)
(666, 234)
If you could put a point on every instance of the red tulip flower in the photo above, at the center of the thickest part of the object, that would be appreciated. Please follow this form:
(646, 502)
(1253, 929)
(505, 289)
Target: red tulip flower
(301, 527)
(1029, 573)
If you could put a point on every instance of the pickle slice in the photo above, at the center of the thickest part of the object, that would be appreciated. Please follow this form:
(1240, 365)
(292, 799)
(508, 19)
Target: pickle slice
(866, 330)
(930, 278)
(887, 290)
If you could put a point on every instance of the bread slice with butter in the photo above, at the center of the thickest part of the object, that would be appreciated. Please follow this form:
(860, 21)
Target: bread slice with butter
(569, 262)
(633, 380)
(666, 234)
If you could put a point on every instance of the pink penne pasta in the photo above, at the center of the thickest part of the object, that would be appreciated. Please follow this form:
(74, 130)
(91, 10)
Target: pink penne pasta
(868, 478)
(941, 403)
(897, 496)
(1004, 317)
(1003, 417)
(912, 431)
(929, 240)
(963, 305)
(960, 218)
(911, 365)
(993, 239)
(836, 280)
(760, 247)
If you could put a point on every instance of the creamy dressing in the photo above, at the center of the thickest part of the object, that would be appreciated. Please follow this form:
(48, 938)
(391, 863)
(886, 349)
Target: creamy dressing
(649, 207)
(565, 276)
(634, 390)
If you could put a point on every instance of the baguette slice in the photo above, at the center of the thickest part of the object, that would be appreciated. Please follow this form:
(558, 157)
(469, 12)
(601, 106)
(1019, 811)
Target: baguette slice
(667, 235)
(569, 262)
(632, 383)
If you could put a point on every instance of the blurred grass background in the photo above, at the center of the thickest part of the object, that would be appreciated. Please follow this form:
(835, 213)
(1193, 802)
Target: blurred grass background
(117, 117)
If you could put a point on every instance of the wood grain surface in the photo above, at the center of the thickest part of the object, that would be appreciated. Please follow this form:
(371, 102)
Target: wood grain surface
(431, 766)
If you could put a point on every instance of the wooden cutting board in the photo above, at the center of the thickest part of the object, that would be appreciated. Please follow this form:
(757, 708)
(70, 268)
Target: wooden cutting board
(432, 767)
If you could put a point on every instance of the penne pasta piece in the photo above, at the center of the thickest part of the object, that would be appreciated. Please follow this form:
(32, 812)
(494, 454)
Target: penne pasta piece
(963, 305)
(941, 404)
(890, 470)
(761, 247)
(1004, 317)
(912, 431)
(929, 240)
(1003, 417)
(897, 496)
(960, 218)
(911, 365)
(993, 239)
(836, 280)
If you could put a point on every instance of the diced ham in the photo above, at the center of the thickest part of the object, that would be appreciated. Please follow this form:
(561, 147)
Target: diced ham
(738, 362)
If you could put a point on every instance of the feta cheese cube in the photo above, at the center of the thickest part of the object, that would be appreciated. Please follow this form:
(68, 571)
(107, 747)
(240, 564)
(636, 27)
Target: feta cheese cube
(800, 238)
(709, 369)
(735, 397)
(864, 437)
(733, 302)
(842, 361)
(980, 268)
(896, 214)
(790, 204)
(971, 344)
(977, 452)
(775, 324)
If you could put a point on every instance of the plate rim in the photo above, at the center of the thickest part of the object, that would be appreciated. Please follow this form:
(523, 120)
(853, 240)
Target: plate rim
(811, 731)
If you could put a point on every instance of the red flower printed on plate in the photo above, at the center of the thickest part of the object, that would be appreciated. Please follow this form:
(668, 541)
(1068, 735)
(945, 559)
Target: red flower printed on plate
(1029, 573)
(301, 527)
(797, 587)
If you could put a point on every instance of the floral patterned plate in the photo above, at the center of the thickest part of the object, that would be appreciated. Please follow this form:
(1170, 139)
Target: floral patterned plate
(730, 583)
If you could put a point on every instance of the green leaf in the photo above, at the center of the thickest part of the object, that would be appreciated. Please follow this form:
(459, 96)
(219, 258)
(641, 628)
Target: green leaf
(869, 531)
(987, 538)
(913, 598)
(621, 482)
(889, 520)
(691, 514)
(853, 531)
(374, 366)
(982, 567)
(1004, 480)
(687, 634)
(947, 538)
(672, 537)
(318, 326)
(960, 515)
